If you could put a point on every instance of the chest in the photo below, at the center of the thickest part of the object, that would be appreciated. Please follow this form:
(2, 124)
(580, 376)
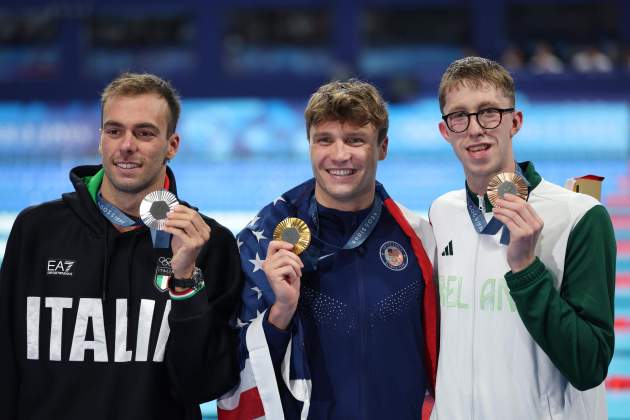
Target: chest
(471, 266)
(377, 281)
(75, 262)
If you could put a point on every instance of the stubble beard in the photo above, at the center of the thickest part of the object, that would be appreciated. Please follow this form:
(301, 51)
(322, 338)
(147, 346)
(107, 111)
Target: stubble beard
(134, 187)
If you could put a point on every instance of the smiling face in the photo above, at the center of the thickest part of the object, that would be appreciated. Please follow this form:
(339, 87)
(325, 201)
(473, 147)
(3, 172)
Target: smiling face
(344, 158)
(483, 152)
(134, 145)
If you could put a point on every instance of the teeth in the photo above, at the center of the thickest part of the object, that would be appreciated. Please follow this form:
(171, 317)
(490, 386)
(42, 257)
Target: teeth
(127, 165)
(478, 148)
(341, 172)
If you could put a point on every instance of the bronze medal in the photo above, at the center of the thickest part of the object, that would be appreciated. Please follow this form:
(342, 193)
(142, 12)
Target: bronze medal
(293, 231)
(154, 207)
(506, 182)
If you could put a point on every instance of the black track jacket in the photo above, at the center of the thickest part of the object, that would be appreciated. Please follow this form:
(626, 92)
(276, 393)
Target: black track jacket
(85, 333)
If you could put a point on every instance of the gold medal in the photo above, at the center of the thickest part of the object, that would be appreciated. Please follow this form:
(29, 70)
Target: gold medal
(506, 182)
(293, 231)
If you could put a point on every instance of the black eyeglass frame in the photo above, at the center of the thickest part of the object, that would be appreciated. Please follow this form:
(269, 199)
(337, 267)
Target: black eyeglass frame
(476, 114)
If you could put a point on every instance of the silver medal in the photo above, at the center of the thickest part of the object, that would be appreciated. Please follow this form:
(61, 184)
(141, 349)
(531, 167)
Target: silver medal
(154, 207)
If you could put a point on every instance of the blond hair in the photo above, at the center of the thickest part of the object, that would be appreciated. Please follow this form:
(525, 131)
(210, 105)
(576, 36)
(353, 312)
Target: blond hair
(352, 101)
(474, 72)
(133, 84)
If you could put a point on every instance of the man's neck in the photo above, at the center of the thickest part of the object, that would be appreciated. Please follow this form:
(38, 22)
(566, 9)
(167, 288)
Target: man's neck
(479, 184)
(358, 204)
(126, 202)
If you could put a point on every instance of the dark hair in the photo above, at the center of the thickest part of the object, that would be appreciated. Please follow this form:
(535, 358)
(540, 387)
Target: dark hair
(132, 84)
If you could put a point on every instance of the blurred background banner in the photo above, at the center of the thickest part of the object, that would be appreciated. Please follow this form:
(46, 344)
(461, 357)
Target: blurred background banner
(220, 129)
(245, 69)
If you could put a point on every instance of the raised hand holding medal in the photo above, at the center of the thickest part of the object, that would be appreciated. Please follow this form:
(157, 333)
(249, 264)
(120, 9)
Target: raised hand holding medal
(161, 211)
(155, 206)
(283, 268)
(506, 182)
(294, 231)
(509, 192)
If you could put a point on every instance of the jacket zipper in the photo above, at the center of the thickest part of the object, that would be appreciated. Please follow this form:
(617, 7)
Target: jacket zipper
(473, 304)
(482, 204)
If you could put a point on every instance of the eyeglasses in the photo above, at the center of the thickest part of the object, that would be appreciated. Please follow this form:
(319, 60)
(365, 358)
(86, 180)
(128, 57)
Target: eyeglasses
(487, 118)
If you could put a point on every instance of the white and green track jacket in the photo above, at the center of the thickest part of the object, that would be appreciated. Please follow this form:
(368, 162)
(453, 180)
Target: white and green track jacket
(530, 345)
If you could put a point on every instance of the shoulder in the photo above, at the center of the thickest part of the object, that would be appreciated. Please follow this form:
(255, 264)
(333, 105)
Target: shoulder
(41, 213)
(39, 223)
(265, 221)
(219, 233)
(560, 199)
(422, 228)
(261, 218)
(451, 199)
(416, 220)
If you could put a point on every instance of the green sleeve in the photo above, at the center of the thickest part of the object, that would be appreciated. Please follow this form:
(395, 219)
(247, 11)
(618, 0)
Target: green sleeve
(574, 326)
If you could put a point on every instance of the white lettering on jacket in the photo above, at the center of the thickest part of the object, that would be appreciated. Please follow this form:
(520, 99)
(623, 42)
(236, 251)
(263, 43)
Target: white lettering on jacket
(121, 354)
(56, 305)
(89, 318)
(89, 308)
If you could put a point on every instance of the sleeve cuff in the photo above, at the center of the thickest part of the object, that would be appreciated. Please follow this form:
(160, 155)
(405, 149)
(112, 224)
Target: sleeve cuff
(533, 272)
(277, 339)
(192, 305)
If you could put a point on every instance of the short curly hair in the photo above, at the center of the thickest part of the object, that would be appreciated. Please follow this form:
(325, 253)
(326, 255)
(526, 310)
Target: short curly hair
(353, 101)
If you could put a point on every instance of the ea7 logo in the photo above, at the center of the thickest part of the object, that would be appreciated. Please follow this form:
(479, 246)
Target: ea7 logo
(60, 267)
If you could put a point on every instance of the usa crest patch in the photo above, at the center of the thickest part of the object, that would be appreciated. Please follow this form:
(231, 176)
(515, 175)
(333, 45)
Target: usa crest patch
(394, 256)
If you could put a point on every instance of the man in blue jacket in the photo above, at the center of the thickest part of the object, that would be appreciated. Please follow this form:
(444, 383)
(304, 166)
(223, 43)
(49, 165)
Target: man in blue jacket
(347, 329)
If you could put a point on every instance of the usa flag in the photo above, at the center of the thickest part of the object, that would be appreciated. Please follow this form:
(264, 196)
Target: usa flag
(258, 396)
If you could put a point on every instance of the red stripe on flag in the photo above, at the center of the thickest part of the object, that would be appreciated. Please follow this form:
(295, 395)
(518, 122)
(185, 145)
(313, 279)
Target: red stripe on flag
(618, 382)
(429, 302)
(249, 407)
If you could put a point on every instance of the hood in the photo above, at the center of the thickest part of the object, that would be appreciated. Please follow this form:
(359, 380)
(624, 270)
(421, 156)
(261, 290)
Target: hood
(86, 180)
(81, 202)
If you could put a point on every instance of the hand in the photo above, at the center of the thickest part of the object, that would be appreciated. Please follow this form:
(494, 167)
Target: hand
(190, 233)
(283, 270)
(524, 225)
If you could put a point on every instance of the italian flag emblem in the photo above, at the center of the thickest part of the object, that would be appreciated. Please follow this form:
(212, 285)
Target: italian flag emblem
(161, 281)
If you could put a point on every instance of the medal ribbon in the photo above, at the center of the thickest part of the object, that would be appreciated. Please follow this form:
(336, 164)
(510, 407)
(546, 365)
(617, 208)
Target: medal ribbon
(492, 227)
(116, 216)
(359, 236)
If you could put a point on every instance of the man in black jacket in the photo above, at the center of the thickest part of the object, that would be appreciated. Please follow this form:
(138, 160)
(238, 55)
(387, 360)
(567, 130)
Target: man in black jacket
(102, 317)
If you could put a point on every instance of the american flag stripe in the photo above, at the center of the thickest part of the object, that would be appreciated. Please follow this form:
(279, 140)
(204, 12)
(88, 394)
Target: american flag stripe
(250, 407)
(258, 389)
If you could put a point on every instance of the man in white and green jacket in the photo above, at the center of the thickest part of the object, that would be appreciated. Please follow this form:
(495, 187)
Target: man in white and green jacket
(526, 310)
